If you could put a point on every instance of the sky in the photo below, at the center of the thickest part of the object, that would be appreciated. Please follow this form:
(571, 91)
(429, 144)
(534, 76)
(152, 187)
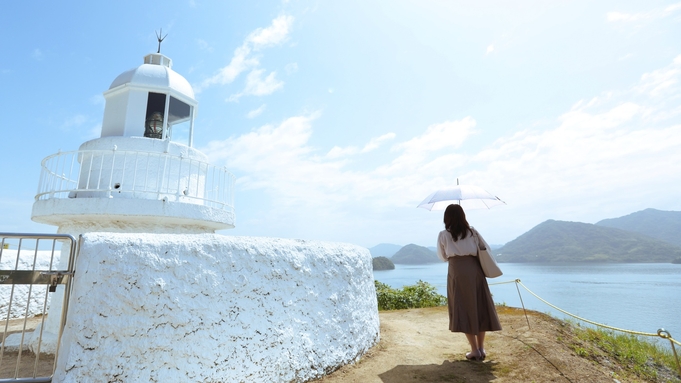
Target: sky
(338, 118)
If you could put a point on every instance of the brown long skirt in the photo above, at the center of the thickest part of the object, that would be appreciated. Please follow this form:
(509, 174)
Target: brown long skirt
(471, 308)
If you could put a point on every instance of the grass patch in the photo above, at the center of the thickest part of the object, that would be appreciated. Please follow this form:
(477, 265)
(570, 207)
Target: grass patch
(638, 355)
(504, 369)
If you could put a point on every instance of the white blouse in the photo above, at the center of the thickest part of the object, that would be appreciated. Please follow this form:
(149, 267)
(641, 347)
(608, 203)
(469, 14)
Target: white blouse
(447, 247)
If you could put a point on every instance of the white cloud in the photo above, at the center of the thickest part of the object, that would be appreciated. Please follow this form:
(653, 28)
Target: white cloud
(258, 86)
(256, 112)
(337, 152)
(613, 154)
(280, 159)
(275, 34)
(271, 157)
(654, 14)
(616, 152)
(673, 8)
(373, 144)
(376, 142)
(418, 150)
(239, 63)
(243, 59)
(490, 49)
(625, 17)
(662, 81)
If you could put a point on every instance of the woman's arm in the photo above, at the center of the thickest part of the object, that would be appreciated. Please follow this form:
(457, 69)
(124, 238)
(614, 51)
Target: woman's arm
(441, 247)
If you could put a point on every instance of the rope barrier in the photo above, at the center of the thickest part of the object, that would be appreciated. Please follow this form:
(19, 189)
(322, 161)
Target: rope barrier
(662, 333)
(520, 296)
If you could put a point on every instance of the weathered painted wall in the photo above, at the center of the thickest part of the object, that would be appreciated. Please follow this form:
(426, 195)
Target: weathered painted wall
(212, 308)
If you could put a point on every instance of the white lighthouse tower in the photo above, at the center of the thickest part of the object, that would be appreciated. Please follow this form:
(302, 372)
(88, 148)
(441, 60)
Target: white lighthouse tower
(142, 174)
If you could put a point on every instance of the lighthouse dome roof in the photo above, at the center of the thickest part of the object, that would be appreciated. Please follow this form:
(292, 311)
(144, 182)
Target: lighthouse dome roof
(155, 73)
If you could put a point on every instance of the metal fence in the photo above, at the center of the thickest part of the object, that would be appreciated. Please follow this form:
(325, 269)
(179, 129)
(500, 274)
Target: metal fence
(35, 272)
(135, 174)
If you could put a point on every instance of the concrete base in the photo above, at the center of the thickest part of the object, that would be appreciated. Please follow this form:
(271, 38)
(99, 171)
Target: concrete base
(211, 308)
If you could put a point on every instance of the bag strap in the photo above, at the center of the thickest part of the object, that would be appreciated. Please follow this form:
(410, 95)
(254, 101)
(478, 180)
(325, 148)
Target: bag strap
(481, 245)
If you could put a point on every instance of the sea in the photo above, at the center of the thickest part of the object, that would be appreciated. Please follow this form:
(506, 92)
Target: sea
(641, 297)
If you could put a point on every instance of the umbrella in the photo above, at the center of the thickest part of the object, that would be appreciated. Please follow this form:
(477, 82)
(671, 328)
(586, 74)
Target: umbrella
(468, 196)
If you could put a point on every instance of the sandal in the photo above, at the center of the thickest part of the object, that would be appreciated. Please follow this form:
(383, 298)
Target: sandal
(472, 357)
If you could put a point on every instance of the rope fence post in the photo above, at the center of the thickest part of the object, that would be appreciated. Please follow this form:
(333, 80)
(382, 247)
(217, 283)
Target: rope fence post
(516, 281)
(664, 334)
(521, 302)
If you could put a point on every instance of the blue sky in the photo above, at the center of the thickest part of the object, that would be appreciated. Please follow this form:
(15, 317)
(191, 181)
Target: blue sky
(339, 117)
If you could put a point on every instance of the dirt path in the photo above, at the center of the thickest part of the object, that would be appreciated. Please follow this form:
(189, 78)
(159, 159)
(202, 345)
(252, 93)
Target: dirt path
(14, 366)
(416, 346)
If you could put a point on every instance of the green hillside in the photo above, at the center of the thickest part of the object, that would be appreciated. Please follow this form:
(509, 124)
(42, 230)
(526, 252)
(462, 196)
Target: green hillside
(382, 263)
(415, 255)
(560, 241)
(664, 225)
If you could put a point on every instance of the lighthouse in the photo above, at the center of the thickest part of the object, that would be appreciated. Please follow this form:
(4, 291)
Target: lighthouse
(143, 173)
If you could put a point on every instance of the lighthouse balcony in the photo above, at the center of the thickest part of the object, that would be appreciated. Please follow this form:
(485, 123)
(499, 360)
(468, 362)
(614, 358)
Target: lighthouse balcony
(130, 183)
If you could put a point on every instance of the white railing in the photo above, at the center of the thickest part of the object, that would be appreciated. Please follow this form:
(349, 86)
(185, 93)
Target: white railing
(135, 175)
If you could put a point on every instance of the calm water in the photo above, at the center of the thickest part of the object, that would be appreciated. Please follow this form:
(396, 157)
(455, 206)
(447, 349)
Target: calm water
(641, 297)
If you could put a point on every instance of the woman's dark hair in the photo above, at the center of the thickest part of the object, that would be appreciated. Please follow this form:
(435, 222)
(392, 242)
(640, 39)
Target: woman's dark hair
(455, 222)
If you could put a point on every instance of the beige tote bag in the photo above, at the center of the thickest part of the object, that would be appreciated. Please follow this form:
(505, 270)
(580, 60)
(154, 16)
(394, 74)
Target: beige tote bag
(487, 261)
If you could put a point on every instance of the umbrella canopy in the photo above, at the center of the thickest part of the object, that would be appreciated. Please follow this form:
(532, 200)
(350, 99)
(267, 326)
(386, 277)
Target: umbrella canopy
(468, 196)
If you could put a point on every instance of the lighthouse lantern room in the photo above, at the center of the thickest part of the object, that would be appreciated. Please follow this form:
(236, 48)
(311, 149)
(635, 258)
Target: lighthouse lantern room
(140, 100)
(142, 174)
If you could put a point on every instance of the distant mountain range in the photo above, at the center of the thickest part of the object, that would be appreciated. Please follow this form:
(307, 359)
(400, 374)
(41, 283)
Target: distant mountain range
(406, 255)
(560, 241)
(664, 225)
(415, 255)
(646, 236)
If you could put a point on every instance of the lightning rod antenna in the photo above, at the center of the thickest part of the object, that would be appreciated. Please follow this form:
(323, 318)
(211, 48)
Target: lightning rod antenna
(160, 39)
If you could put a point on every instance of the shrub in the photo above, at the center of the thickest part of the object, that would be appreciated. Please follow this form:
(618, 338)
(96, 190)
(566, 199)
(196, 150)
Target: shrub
(422, 294)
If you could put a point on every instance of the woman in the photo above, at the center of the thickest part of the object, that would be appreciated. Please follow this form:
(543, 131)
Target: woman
(471, 309)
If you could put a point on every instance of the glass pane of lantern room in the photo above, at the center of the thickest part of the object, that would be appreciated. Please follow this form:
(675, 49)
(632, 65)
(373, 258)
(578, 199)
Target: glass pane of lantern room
(180, 133)
(180, 115)
(153, 124)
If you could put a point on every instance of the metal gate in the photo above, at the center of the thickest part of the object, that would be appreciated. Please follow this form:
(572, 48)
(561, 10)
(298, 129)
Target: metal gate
(35, 274)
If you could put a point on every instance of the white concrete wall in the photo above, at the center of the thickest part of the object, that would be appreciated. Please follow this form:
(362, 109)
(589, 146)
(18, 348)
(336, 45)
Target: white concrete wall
(20, 293)
(212, 308)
